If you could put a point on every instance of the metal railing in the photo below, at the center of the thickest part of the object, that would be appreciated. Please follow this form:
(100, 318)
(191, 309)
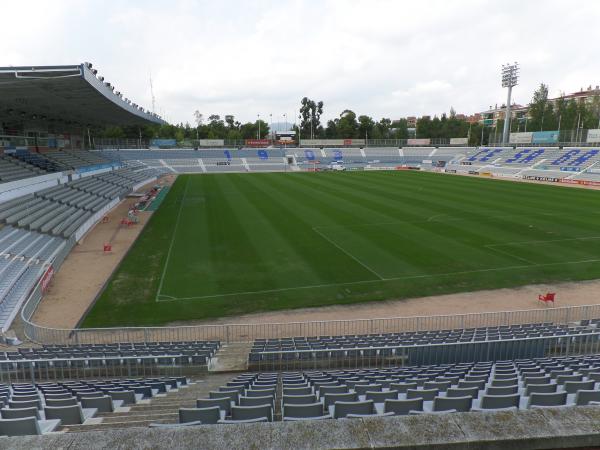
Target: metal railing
(249, 332)
(427, 354)
(34, 370)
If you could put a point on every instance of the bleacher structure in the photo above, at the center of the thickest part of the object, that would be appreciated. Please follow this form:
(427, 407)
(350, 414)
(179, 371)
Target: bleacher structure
(41, 224)
(552, 164)
(280, 159)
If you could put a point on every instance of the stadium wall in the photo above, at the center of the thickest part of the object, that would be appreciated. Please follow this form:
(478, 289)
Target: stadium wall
(545, 428)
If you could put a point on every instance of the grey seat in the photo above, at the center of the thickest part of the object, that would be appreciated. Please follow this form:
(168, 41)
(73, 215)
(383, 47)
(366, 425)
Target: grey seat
(260, 393)
(69, 415)
(330, 399)
(462, 392)
(342, 409)
(425, 394)
(252, 412)
(61, 401)
(402, 387)
(361, 389)
(204, 415)
(299, 399)
(339, 389)
(297, 391)
(27, 426)
(502, 390)
(257, 401)
(550, 399)
(223, 403)
(102, 404)
(380, 397)
(25, 398)
(312, 410)
(505, 382)
(571, 387)
(583, 397)
(441, 386)
(25, 404)
(460, 404)
(233, 395)
(57, 396)
(19, 413)
(499, 401)
(403, 407)
(540, 388)
(127, 397)
(470, 384)
(234, 421)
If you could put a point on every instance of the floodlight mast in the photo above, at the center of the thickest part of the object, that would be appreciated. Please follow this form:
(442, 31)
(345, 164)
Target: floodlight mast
(510, 78)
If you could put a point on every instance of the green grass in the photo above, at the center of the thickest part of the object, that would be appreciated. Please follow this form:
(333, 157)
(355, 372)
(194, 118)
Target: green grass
(229, 244)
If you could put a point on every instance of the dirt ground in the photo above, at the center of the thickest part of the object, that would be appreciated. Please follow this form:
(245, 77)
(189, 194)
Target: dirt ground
(73, 289)
(86, 269)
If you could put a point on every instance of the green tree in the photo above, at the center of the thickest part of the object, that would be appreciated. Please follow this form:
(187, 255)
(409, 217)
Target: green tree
(365, 127)
(347, 125)
(310, 117)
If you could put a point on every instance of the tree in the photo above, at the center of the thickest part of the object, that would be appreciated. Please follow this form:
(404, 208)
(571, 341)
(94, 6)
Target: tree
(310, 117)
(365, 127)
(537, 108)
(347, 125)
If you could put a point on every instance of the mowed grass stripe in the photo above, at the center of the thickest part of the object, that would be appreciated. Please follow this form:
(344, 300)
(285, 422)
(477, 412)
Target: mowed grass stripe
(247, 243)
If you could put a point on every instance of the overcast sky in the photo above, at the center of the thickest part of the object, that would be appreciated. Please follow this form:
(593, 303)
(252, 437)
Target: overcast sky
(383, 58)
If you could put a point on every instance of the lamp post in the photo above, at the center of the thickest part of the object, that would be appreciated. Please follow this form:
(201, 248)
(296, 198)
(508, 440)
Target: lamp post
(510, 78)
(258, 121)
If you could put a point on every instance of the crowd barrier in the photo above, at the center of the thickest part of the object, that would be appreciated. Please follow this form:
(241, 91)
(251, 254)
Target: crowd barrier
(249, 332)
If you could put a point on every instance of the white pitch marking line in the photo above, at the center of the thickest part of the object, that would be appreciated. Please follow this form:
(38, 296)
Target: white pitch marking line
(350, 283)
(492, 247)
(162, 277)
(348, 254)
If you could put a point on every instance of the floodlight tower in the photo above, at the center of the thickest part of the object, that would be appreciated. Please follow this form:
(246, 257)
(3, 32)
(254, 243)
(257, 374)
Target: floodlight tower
(510, 78)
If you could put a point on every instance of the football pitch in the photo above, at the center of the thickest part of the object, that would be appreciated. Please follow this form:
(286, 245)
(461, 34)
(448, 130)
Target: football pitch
(230, 244)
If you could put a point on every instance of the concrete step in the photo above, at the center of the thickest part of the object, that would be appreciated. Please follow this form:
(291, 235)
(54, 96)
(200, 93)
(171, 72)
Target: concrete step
(231, 358)
(163, 408)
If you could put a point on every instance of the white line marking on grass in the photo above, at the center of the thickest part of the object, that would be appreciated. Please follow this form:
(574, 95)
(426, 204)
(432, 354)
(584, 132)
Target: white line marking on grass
(583, 238)
(493, 248)
(162, 277)
(410, 277)
(348, 254)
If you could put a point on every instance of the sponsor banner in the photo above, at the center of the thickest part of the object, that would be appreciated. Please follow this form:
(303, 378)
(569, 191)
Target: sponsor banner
(531, 177)
(459, 141)
(593, 135)
(545, 137)
(284, 141)
(257, 142)
(421, 141)
(331, 142)
(582, 182)
(46, 278)
(520, 138)
(212, 142)
(163, 142)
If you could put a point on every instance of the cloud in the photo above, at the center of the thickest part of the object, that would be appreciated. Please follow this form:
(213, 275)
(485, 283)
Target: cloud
(384, 58)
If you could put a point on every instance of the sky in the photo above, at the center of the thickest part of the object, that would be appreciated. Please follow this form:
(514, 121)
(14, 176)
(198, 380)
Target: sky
(382, 58)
